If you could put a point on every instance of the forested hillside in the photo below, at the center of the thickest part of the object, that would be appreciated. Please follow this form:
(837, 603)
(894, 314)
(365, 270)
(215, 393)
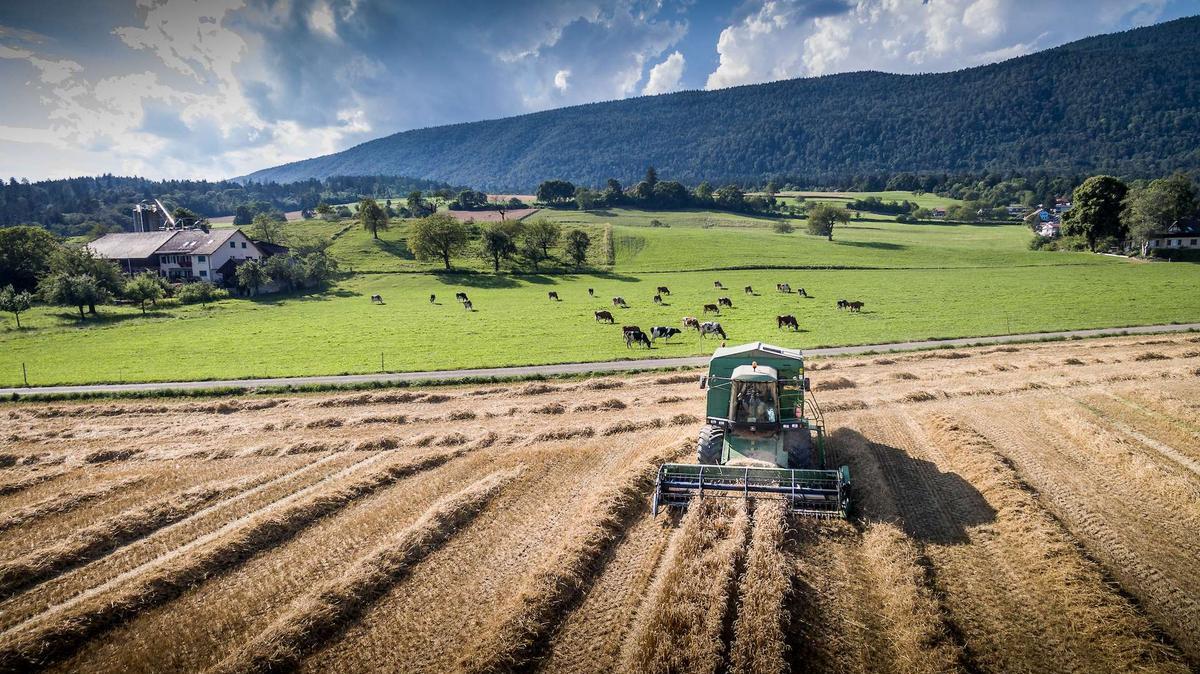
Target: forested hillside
(74, 206)
(1126, 103)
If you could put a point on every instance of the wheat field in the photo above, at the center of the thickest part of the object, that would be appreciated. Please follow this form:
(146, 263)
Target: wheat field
(1018, 508)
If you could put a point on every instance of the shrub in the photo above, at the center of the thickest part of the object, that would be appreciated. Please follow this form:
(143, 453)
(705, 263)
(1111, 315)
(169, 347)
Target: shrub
(1039, 242)
(783, 227)
(201, 293)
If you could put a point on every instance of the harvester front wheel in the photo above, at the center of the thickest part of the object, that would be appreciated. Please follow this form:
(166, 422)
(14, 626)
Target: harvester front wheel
(708, 448)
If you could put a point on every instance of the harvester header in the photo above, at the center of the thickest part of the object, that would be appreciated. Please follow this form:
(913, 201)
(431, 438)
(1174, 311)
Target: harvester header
(764, 437)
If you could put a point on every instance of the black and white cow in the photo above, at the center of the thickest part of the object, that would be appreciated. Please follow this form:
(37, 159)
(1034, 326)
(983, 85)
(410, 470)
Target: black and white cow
(712, 328)
(637, 337)
(663, 332)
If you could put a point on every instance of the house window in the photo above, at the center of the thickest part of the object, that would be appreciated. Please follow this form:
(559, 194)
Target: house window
(200, 258)
(233, 244)
(243, 244)
(204, 272)
(1192, 243)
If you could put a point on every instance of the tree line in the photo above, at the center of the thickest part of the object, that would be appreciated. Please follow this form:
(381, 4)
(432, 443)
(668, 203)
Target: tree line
(1108, 213)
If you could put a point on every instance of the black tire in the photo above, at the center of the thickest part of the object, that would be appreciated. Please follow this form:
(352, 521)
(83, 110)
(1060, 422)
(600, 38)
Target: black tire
(708, 448)
(799, 448)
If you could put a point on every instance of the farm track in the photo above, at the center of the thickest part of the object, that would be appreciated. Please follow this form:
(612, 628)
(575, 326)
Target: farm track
(1020, 508)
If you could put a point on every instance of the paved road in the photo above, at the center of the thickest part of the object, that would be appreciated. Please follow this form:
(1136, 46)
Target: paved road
(576, 368)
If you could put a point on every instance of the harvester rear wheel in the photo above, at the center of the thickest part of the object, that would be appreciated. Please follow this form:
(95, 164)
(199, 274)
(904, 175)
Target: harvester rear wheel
(708, 448)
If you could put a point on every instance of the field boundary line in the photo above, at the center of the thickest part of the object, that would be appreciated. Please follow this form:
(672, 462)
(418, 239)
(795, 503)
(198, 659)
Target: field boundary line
(575, 368)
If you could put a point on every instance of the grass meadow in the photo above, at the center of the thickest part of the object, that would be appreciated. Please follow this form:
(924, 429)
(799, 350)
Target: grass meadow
(918, 282)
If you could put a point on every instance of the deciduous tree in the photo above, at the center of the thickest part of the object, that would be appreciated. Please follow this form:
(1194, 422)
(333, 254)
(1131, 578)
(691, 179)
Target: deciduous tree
(372, 216)
(143, 288)
(438, 236)
(251, 276)
(577, 246)
(15, 302)
(74, 290)
(1096, 210)
(25, 254)
(823, 217)
(497, 243)
(1152, 209)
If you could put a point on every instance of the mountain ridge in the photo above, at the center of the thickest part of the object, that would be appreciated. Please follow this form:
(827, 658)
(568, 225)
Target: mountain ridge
(1126, 102)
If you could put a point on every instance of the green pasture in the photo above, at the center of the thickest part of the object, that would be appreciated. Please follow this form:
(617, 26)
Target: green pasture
(514, 323)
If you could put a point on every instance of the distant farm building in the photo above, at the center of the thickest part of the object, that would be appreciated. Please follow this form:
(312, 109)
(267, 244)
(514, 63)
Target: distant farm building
(182, 254)
(1183, 234)
(1044, 223)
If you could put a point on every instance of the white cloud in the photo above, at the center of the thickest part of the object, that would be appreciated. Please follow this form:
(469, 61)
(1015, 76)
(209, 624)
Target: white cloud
(562, 80)
(665, 76)
(320, 19)
(781, 39)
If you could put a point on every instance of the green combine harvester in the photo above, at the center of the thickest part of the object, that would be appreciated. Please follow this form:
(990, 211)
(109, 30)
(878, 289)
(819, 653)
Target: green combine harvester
(764, 437)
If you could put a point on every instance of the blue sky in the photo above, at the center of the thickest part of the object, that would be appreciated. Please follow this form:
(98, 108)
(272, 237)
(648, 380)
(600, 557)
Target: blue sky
(218, 88)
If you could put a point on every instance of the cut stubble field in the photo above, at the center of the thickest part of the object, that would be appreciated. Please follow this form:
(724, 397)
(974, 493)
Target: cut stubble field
(1019, 508)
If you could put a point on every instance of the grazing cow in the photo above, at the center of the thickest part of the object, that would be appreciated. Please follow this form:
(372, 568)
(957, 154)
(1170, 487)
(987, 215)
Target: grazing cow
(691, 322)
(376, 299)
(718, 286)
(620, 302)
(663, 332)
(782, 322)
(468, 306)
(658, 299)
(591, 292)
(663, 290)
(712, 308)
(604, 316)
(749, 290)
(461, 297)
(842, 304)
(783, 287)
(626, 329)
(637, 337)
(725, 302)
(432, 298)
(855, 306)
(801, 292)
(553, 296)
(712, 328)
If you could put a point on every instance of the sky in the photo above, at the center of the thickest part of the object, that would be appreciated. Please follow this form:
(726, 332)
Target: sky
(220, 88)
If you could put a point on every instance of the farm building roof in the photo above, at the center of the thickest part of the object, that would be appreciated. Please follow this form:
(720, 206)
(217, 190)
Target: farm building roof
(196, 242)
(129, 245)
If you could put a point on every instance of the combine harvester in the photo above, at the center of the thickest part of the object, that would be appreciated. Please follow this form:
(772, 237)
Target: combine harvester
(764, 438)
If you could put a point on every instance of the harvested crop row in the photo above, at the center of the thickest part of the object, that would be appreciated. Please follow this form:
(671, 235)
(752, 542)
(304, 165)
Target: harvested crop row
(63, 503)
(1020, 591)
(106, 535)
(24, 483)
(69, 630)
(759, 645)
(683, 630)
(1111, 513)
(316, 617)
(517, 628)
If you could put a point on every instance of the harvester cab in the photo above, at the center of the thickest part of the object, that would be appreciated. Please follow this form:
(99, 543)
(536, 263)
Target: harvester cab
(764, 437)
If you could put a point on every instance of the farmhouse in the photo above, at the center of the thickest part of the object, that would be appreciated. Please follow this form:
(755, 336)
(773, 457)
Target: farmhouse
(1044, 222)
(1183, 233)
(183, 254)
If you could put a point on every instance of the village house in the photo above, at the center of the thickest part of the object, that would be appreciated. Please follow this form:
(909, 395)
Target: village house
(1182, 234)
(182, 254)
(1044, 223)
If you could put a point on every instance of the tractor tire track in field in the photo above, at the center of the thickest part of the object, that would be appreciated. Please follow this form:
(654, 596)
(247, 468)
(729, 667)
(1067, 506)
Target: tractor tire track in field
(163, 579)
(315, 618)
(1108, 518)
(1114, 410)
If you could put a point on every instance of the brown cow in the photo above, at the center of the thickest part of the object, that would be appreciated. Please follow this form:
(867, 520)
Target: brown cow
(691, 322)
(855, 306)
(712, 308)
(725, 302)
(782, 322)
(626, 329)
(604, 316)
(553, 296)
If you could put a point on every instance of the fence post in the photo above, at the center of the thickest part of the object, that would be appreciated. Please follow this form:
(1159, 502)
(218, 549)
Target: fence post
(25, 374)
(381, 369)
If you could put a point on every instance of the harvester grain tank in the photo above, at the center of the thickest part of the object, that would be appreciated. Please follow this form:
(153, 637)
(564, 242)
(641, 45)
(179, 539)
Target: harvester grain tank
(764, 437)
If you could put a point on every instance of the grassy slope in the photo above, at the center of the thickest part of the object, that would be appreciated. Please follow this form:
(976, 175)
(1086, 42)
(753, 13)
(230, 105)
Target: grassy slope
(928, 281)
